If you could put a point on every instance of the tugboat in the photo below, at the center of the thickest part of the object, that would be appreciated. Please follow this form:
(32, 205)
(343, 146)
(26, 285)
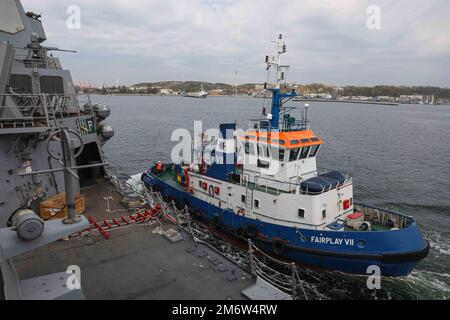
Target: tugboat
(265, 185)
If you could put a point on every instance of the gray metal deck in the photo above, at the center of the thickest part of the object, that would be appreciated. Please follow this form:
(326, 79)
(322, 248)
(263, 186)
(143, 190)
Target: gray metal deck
(134, 263)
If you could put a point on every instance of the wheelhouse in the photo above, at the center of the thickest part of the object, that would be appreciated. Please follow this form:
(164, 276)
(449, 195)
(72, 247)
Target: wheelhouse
(281, 155)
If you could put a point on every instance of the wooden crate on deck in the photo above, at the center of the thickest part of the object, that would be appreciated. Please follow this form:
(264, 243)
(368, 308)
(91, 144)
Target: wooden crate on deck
(55, 207)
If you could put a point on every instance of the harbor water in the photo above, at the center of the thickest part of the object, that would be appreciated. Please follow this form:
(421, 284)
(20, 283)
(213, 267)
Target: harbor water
(399, 157)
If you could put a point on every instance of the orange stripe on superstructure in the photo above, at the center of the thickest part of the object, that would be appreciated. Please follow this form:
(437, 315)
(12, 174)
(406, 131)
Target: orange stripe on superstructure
(273, 138)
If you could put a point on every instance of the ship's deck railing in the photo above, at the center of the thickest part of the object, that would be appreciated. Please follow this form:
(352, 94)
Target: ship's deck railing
(384, 217)
(40, 110)
(285, 126)
(277, 187)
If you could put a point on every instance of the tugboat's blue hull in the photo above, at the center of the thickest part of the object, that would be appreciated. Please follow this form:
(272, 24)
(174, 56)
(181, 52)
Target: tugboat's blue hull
(395, 252)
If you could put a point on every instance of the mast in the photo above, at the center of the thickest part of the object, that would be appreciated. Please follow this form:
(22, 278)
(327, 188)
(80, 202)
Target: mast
(280, 71)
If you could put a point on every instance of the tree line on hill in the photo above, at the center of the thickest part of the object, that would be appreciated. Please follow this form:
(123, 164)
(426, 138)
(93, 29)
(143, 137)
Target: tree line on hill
(228, 89)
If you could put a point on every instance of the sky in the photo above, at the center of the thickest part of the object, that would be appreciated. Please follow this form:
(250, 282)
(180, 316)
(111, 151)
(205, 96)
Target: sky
(328, 41)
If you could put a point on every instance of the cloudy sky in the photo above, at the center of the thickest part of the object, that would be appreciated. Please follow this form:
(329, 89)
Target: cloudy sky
(328, 40)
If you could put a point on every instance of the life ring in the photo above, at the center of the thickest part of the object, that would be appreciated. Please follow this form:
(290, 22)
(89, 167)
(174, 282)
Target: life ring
(278, 247)
(251, 231)
(211, 190)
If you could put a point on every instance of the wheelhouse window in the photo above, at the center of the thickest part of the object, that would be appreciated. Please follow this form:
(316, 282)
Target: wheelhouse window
(249, 148)
(281, 142)
(304, 152)
(293, 155)
(263, 151)
(314, 150)
(278, 154)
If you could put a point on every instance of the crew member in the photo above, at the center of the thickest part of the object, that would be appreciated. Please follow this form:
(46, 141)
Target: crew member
(159, 167)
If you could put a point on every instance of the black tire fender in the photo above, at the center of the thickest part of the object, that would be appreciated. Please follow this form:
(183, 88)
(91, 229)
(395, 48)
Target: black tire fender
(278, 247)
(251, 231)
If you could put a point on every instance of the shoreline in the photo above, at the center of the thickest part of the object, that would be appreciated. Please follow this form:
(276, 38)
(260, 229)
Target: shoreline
(348, 101)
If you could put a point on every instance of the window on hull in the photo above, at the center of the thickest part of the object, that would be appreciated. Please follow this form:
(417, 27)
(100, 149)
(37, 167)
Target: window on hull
(301, 213)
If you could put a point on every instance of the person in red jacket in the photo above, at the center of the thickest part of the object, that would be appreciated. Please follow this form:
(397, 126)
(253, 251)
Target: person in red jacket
(159, 168)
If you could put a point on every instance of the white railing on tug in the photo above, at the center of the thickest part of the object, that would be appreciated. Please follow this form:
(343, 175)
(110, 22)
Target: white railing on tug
(278, 187)
(384, 216)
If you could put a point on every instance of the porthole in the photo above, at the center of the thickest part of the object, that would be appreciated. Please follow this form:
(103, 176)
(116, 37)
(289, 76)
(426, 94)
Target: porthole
(361, 244)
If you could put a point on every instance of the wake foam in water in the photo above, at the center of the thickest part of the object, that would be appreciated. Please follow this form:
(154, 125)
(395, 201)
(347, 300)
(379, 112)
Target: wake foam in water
(135, 183)
(439, 243)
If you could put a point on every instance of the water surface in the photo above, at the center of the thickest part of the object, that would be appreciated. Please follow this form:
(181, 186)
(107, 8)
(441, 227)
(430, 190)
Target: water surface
(399, 157)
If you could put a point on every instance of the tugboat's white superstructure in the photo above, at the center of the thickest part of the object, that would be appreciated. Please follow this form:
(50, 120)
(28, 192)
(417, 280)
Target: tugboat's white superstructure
(265, 185)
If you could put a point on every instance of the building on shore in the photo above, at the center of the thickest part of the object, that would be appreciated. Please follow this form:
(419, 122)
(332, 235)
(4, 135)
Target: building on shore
(216, 92)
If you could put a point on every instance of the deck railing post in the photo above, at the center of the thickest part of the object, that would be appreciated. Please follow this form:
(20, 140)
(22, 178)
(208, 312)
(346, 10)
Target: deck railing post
(44, 104)
(188, 218)
(252, 260)
(294, 281)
